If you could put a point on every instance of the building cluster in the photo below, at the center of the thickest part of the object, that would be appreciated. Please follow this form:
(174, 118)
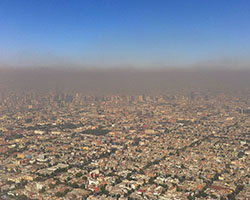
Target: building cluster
(178, 145)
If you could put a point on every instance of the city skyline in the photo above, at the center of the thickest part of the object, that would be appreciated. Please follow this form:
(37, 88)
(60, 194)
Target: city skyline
(124, 99)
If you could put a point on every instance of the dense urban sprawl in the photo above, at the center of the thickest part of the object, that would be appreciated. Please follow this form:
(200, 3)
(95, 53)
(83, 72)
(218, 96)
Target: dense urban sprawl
(176, 145)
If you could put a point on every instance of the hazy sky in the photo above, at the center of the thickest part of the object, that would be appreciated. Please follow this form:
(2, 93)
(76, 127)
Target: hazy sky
(125, 32)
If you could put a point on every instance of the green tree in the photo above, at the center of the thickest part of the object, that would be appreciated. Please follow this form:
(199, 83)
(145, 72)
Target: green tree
(42, 190)
(75, 185)
(59, 194)
(103, 190)
(151, 180)
(82, 186)
(79, 174)
(22, 197)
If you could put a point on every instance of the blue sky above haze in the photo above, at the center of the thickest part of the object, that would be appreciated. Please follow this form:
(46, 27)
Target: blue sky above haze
(124, 32)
